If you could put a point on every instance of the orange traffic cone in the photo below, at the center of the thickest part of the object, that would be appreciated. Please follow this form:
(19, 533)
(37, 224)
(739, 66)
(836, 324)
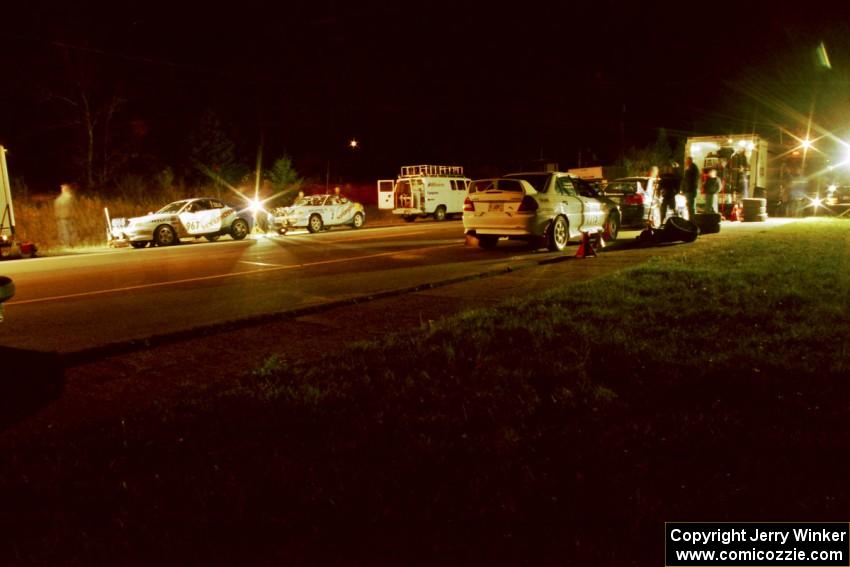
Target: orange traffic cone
(585, 249)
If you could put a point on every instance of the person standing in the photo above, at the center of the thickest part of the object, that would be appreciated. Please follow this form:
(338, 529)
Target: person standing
(690, 186)
(669, 186)
(711, 187)
(63, 209)
(738, 170)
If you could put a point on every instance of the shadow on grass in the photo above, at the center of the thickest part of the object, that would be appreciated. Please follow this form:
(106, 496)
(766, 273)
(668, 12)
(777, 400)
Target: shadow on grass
(29, 380)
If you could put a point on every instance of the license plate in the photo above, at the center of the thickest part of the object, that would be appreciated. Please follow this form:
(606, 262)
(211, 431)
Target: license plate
(495, 207)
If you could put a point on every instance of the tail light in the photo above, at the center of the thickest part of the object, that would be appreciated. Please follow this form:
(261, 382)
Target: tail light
(528, 204)
(635, 199)
(468, 205)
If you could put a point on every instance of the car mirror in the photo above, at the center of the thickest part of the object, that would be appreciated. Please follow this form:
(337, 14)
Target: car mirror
(7, 292)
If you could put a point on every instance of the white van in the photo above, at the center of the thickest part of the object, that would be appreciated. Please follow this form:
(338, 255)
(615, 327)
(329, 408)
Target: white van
(422, 190)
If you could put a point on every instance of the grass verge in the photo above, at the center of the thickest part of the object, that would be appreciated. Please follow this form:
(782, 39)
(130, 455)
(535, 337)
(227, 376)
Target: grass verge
(561, 428)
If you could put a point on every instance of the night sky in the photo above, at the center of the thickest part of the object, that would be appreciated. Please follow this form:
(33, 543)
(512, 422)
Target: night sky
(480, 85)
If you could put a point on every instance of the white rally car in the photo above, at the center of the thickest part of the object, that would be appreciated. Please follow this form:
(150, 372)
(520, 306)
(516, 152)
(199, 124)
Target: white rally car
(195, 218)
(544, 208)
(318, 212)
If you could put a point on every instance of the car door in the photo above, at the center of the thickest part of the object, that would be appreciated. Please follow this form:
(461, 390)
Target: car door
(219, 210)
(569, 204)
(194, 217)
(330, 211)
(458, 196)
(593, 212)
(345, 211)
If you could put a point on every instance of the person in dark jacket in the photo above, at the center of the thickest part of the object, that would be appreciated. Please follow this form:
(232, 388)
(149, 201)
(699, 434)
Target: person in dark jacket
(711, 188)
(738, 172)
(690, 186)
(669, 185)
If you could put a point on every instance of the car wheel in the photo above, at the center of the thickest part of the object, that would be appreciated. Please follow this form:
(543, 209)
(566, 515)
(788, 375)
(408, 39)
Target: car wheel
(212, 237)
(164, 235)
(440, 213)
(239, 229)
(139, 244)
(409, 218)
(358, 220)
(612, 227)
(559, 235)
(488, 241)
(315, 224)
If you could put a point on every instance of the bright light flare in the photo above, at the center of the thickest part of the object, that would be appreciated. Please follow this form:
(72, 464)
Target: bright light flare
(353, 143)
(255, 206)
(806, 144)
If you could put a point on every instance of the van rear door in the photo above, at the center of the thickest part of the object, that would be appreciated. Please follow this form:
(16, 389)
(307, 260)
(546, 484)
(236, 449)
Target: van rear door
(386, 187)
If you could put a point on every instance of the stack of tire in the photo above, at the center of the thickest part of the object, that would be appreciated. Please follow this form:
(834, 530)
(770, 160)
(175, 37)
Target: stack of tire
(754, 210)
(708, 223)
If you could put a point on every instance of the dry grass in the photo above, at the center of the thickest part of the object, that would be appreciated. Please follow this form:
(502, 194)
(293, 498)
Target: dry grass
(36, 221)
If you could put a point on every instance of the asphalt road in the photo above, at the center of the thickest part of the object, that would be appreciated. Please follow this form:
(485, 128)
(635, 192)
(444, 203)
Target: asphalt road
(70, 303)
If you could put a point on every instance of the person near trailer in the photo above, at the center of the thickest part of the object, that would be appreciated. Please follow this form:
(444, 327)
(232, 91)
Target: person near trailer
(652, 194)
(668, 184)
(797, 197)
(737, 171)
(690, 186)
(711, 188)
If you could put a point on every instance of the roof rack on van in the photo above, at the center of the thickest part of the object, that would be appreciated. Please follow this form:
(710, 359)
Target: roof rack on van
(431, 170)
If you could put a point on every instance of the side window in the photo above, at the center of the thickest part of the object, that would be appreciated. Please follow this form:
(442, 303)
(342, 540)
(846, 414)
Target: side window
(565, 187)
(216, 204)
(196, 206)
(454, 185)
(585, 189)
(461, 185)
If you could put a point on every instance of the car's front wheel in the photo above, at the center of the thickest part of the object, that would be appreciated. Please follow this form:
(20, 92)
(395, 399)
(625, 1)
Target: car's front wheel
(212, 237)
(409, 218)
(239, 229)
(559, 235)
(440, 213)
(315, 224)
(164, 235)
(358, 220)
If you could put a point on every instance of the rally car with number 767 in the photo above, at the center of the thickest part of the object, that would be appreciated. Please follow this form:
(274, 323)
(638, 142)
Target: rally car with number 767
(189, 218)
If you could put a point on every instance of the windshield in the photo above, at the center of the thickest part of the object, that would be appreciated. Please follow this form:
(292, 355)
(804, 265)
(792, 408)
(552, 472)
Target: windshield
(540, 181)
(621, 187)
(172, 208)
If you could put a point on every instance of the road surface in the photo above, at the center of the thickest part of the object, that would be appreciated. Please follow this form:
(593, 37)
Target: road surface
(70, 303)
